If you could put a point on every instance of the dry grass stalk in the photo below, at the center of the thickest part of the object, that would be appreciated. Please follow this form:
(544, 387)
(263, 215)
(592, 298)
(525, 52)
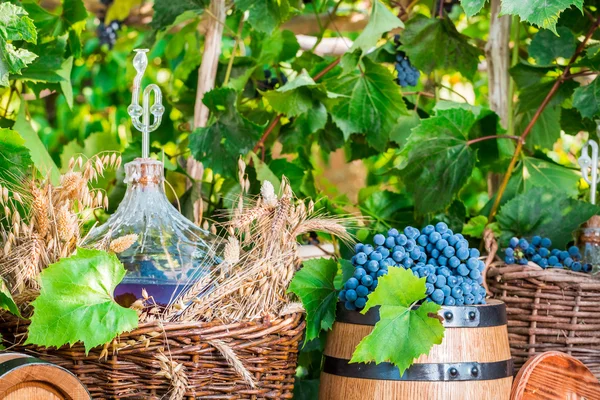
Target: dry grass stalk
(175, 372)
(42, 222)
(121, 244)
(255, 285)
(233, 360)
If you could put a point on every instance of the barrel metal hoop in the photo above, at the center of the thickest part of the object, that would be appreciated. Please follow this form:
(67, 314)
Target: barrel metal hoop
(454, 317)
(447, 372)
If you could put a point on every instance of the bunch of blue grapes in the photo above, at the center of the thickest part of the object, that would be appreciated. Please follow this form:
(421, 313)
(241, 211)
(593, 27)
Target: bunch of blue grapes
(270, 81)
(452, 270)
(540, 251)
(107, 34)
(407, 74)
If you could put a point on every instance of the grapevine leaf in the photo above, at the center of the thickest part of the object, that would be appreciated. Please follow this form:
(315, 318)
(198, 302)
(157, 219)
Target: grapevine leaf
(39, 154)
(426, 36)
(542, 13)
(14, 156)
(546, 129)
(381, 21)
(372, 89)
(347, 271)
(475, 226)
(166, 11)
(264, 173)
(295, 136)
(438, 160)
(296, 96)
(533, 172)
(6, 300)
(546, 47)
(402, 333)
(532, 96)
(572, 122)
(586, 99)
(266, 15)
(119, 10)
(15, 24)
(526, 75)
(220, 144)
(76, 302)
(13, 60)
(472, 7)
(546, 213)
(401, 131)
(314, 285)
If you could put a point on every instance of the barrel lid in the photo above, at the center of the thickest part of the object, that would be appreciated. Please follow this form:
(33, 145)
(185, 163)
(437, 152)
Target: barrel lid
(476, 316)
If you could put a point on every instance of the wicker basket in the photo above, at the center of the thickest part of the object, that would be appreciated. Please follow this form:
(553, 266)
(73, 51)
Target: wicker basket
(130, 369)
(548, 309)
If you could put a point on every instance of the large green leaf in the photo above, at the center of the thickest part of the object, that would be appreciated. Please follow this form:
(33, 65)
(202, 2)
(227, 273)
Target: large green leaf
(39, 154)
(434, 43)
(166, 11)
(297, 96)
(231, 135)
(525, 74)
(546, 129)
(402, 333)
(15, 24)
(371, 105)
(266, 15)
(381, 21)
(314, 285)
(6, 300)
(76, 302)
(543, 13)
(546, 213)
(438, 162)
(586, 99)
(546, 47)
(533, 172)
(14, 156)
(472, 7)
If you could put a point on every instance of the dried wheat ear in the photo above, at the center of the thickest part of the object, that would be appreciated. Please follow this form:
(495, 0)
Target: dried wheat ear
(42, 222)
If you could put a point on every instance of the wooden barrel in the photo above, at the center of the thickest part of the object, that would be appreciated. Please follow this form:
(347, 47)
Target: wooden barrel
(472, 363)
(27, 378)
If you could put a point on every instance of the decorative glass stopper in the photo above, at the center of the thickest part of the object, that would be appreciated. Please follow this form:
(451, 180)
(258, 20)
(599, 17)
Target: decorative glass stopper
(589, 165)
(135, 111)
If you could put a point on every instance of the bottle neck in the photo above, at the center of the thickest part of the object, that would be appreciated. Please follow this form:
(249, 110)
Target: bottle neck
(144, 174)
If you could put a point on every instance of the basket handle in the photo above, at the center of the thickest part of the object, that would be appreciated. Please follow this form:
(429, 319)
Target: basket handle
(491, 247)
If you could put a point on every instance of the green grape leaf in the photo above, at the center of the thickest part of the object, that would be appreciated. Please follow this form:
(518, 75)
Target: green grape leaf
(313, 284)
(533, 172)
(438, 160)
(401, 131)
(266, 15)
(546, 129)
(475, 226)
(295, 135)
(15, 24)
(15, 159)
(39, 154)
(297, 96)
(532, 96)
(539, 211)
(586, 99)
(6, 300)
(370, 89)
(472, 7)
(402, 333)
(572, 122)
(167, 11)
(13, 60)
(526, 75)
(424, 37)
(76, 302)
(381, 21)
(119, 10)
(264, 173)
(347, 271)
(546, 47)
(542, 13)
(231, 135)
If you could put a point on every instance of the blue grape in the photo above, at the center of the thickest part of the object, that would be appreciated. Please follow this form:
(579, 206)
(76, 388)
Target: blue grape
(545, 242)
(415, 253)
(452, 281)
(381, 272)
(568, 262)
(555, 252)
(462, 253)
(523, 244)
(544, 252)
(452, 240)
(358, 247)
(445, 271)
(434, 237)
(393, 232)
(466, 287)
(441, 244)
(360, 302)
(435, 253)
(437, 296)
(376, 256)
(449, 301)
(432, 278)
(385, 253)
(429, 288)
(359, 273)
(457, 291)
(460, 301)
(443, 261)
(351, 295)
(398, 256)
(576, 266)
(509, 251)
(563, 255)
(449, 251)
(474, 273)
(573, 251)
(361, 258)
(390, 242)
(423, 240)
(379, 239)
(514, 242)
(446, 290)
(552, 260)
(401, 239)
(474, 253)
(469, 299)
(523, 261)
(428, 230)
(440, 281)
(342, 295)
(472, 263)
(368, 249)
(441, 227)
(410, 245)
(362, 290)
(587, 267)
(536, 240)
(350, 305)
(453, 262)
(373, 266)
(351, 283)
(411, 232)
(536, 259)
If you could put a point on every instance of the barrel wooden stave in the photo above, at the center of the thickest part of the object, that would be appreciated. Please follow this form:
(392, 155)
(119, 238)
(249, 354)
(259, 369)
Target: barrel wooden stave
(486, 344)
(24, 377)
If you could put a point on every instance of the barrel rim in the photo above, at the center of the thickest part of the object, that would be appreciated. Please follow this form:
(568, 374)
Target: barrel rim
(486, 315)
(429, 372)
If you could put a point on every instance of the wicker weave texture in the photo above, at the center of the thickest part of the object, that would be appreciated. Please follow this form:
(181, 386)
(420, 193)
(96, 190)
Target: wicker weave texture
(548, 309)
(268, 349)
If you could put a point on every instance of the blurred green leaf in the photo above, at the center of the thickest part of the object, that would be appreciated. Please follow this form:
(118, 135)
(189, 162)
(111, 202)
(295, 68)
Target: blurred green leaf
(166, 11)
(381, 21)
(541, 13)
(266, 15)
(586, 99)
(546, 47)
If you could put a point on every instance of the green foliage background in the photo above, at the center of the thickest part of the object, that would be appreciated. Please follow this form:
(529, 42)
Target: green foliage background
(430, 153)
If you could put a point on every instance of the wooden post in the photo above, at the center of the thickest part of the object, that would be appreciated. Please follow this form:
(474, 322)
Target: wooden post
(497, 55)
(206, 82)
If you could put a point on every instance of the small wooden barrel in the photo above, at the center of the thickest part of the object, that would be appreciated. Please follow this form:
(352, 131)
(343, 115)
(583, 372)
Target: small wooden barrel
(26, 378)
(472, 363)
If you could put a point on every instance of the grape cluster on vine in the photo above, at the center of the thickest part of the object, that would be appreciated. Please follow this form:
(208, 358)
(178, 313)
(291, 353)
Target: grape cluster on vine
(270, 81)
(407, 74)
(539, 251)
(107, 34)
(452, 270)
